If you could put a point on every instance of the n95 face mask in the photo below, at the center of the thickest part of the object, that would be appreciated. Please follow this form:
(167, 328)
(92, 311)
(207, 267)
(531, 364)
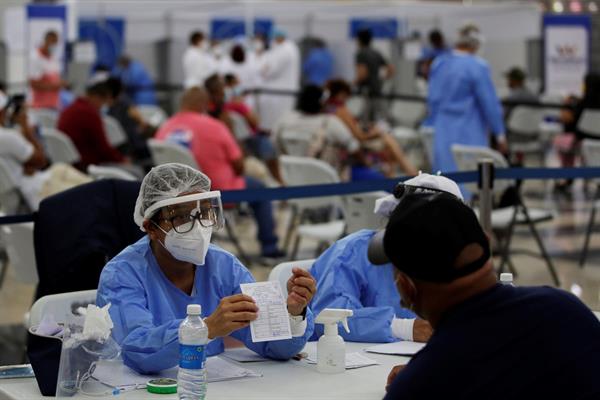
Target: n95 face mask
(191, 246)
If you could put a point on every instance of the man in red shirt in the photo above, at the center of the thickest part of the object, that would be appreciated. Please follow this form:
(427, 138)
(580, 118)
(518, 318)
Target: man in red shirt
(219, 156)
(81, 121)
(44, 74)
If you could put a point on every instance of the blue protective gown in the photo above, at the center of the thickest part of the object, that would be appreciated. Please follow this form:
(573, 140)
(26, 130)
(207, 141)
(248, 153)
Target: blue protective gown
(138, 84)
(463, 106)
(346, 279)
(147, 308)
(318, 67)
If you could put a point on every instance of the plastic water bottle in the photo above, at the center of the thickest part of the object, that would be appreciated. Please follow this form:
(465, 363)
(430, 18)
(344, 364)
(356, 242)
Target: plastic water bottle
(506, 278)
(193, 336)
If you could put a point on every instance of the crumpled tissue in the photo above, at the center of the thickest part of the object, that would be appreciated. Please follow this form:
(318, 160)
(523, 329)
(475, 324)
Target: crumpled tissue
(98, 324)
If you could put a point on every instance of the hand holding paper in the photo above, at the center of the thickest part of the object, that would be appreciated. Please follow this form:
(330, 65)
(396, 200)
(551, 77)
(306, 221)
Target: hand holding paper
(233, 313)
(301, 289)
(273, 322)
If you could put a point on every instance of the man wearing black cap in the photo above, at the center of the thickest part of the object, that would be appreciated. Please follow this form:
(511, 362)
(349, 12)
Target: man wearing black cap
(490, 341)
(515, 79)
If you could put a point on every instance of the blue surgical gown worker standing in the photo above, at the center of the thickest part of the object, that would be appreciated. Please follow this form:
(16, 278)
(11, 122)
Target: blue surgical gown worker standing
(147, 300)
(462, 103)
(137, 81)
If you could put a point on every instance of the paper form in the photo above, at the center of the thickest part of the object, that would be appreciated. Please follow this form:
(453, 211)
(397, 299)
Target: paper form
(273, 322)
(401, 348)
(353, 360)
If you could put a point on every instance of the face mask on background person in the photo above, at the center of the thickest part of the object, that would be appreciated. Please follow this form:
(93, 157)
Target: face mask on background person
(188, 247)
(258, 45)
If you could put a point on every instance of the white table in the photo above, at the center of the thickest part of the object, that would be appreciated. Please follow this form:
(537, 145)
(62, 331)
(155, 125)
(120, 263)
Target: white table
(290, 380)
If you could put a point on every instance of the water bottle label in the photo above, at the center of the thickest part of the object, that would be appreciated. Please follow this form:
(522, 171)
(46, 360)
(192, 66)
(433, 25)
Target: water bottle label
(191, 356)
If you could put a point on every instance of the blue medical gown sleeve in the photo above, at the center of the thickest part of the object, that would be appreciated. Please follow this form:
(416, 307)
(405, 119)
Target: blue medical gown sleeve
(488, 100)
(278, 349)
(146, 347)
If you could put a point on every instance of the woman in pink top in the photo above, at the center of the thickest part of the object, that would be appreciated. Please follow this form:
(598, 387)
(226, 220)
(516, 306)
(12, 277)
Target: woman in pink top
(44, 74)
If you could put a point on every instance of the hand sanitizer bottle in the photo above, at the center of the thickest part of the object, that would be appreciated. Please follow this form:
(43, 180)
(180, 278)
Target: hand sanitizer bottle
(331, 349)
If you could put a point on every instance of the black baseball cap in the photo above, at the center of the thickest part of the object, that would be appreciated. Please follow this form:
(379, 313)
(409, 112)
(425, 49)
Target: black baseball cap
(424, 236)
(515, 74)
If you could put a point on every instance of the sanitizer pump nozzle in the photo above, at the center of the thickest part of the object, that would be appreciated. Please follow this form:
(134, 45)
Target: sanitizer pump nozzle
(331, 349)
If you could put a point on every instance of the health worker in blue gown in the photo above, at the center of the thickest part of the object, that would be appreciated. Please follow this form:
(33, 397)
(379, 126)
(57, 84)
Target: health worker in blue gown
(463, 107)
(347, 279)
(150, 283)
(139, 86)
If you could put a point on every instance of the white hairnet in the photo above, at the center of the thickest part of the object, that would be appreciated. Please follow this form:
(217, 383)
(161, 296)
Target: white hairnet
(167, 181)
(470, 36)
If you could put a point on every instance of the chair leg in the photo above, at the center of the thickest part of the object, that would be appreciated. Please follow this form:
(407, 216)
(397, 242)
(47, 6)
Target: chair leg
(511, 267)
(540, 244)
(588, 232)
(507, 241)
(290, 229)
(295, 249)
(236, 243)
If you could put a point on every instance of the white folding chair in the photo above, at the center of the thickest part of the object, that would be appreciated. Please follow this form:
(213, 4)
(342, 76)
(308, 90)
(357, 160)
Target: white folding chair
(11, 198)
(98, 172)
(152, 114)
(407, 113)
(18, 239)
(60, 306)
(294, 143)
(505, 219)
(45, 118)
(168, 152)
(114, 131)
(426, 135)
(358, 211)
(589, 122)
(241, 129)
(59, 146)
(524, 130)
(298, 171)
(282, 272)
(590, 149)
(356, 105)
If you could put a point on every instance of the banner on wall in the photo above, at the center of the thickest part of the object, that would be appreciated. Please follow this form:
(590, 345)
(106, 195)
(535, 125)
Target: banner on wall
(230, 28)
(381, 28)
(566, 53)
(44, 18)
(108, 37)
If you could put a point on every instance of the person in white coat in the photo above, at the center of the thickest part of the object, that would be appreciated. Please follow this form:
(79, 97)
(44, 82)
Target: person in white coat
(198, 63)
(280, 71)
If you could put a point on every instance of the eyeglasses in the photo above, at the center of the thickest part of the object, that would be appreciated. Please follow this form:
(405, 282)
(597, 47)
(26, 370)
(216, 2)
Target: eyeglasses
(184, 222)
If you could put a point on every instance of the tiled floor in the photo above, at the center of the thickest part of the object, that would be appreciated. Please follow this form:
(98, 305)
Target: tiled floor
(563, 237)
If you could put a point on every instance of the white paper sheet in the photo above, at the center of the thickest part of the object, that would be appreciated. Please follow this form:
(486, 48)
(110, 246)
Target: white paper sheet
(123, 377)
(353, 360)
(402, 348)
(242, 354)
(273, 322)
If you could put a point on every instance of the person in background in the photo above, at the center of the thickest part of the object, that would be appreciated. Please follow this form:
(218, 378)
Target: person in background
(280, 70)
(519, 92)
(374, 140)
(490, 341)
(82, 122)
(198, 63)
(462, 102)
(437, 46)
(318, 66)
(220, 157)
(44, 74)
(369, 64)
(244, 66)
(150, 283)
(136, 79)
(347, 279)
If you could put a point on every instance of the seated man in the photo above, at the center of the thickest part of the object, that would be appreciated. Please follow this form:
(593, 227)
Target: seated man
(490, 341)
(346, 279)
(219, 156)
(81, 121)
(150, 283)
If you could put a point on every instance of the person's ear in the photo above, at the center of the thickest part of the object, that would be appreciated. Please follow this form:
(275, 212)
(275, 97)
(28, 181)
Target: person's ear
(151, 230)
(407, 289)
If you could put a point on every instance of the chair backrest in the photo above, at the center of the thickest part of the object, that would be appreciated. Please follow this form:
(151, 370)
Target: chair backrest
(589, 122)
(282, 272)
(104, 172)
(298, 171)
(356, 105)
(294, 143)
(167, 152)
(407, 112)
(241, 129)
(10, 194)
(60, 305)
(152, 114)
(590, 149)
(525, 120)
(358, 211)
(59, 146)
(18, 239)
(467, 159)
(114, 131)
(46, 118)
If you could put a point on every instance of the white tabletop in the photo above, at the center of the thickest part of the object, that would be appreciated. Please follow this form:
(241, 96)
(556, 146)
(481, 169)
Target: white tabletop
(290, 380)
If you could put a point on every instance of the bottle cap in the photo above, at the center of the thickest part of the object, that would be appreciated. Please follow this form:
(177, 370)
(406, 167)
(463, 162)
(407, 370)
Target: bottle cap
(162, 386)
(194, 309)
(506, 277)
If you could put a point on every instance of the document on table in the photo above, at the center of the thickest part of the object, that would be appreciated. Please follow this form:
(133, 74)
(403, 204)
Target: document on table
(273, 322)
(242, 354)
(353, 360)
(124, 378)
(402, 348)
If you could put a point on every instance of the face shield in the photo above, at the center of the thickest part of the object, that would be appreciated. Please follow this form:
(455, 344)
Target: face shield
(184, 212)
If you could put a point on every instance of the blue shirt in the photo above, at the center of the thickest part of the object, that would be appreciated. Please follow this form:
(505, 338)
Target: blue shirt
(147, 308)
(508, 343)
(138, 84)
(346, 279)
(318, 67)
